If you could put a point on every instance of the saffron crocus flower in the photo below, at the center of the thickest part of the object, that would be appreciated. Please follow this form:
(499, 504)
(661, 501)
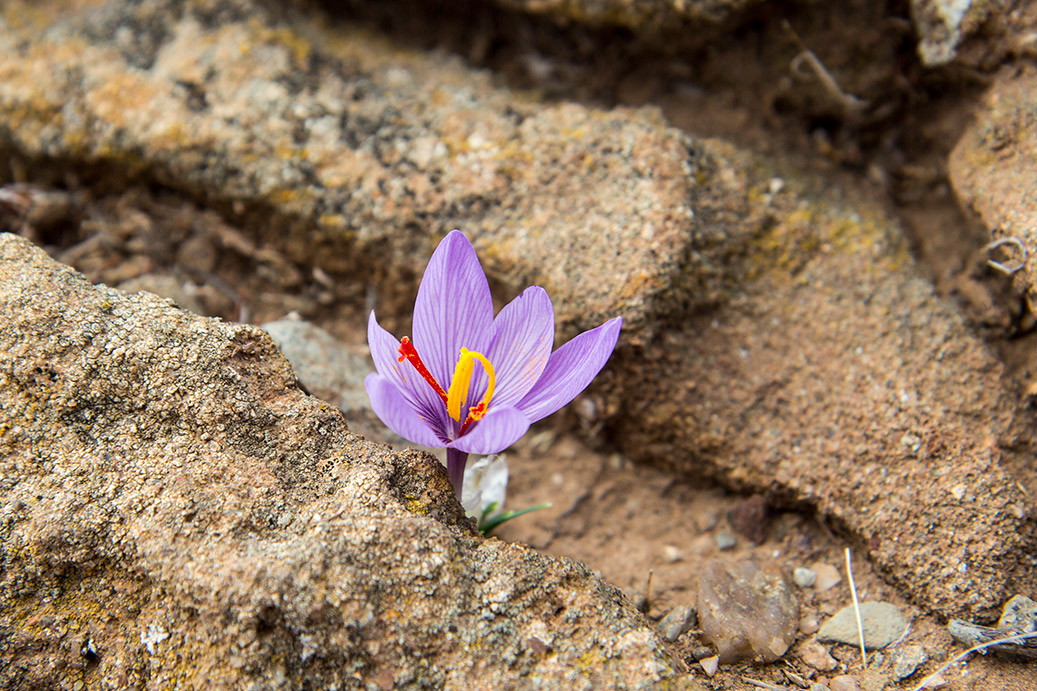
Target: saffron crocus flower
(468, 381)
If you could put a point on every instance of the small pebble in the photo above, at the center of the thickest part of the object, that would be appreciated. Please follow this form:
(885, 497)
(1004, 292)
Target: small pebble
(701, 652)
(907, 660)
(679, 620)
(707, 521)
(809, 625)
(724, 541)
(672, 554)
(804, 577)
(702, 546)
(815, 655)
(843, 682)
(749, 518)
(827, 576)
(710, 665)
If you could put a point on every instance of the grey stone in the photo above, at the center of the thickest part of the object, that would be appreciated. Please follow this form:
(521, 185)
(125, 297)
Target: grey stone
(882, 623)
(725, 541)
(174, 499)
(677, 622)
(746, 612)
(333, 372)
(906, 660)
(804, 577)
(1019, 613)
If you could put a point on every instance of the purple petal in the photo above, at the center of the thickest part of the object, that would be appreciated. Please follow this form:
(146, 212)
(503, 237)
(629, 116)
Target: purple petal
(412, 386)
(398, 414)
(521, 347)
(570, 369)
(453, 308)
(501, 428)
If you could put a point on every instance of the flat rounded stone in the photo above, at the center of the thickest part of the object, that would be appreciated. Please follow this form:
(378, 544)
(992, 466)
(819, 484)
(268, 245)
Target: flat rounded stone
(882, 623)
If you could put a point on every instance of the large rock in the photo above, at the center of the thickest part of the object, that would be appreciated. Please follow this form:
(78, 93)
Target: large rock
(258, 109)
(177, 514)
(776, 337)
(973, 32)
(993, 169)
(839, 380)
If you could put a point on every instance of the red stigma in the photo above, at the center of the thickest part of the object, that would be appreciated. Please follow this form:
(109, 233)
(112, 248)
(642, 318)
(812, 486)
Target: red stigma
(408, 352)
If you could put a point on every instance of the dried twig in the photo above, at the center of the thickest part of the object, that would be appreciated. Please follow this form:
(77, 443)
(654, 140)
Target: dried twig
(973, 634)
(856, 609)
(1017, 638)
(807, 64)
(764, 685)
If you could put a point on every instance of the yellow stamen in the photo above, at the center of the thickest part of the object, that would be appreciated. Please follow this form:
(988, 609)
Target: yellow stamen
(461, 382)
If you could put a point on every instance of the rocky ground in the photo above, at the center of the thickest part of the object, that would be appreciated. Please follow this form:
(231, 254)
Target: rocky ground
(789, 203)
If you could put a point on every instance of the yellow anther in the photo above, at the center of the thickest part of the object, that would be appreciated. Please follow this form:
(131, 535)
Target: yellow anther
(462, 381)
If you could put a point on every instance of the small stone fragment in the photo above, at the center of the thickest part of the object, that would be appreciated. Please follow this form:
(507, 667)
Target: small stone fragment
(710, 665)
(804, 577)
(749, 518)
(843, 682)
(882, 623)
(827, 576)
(679, 620)
(747, 612)
(724, 541)
(1020, 613)
(815, 655)
(672, 554)
(702, 545)
(809, 625)
(907, 660)
(701, 652)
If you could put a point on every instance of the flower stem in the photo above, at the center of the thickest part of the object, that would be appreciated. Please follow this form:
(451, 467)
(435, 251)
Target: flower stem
(455, 463)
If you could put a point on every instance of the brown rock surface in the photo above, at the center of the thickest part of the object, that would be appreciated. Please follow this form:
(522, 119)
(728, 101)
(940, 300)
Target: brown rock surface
(994, 169)
(176, 513)
(642, 16)
(777, 338)
(841, 381)
(255, 106)
(976, 33)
